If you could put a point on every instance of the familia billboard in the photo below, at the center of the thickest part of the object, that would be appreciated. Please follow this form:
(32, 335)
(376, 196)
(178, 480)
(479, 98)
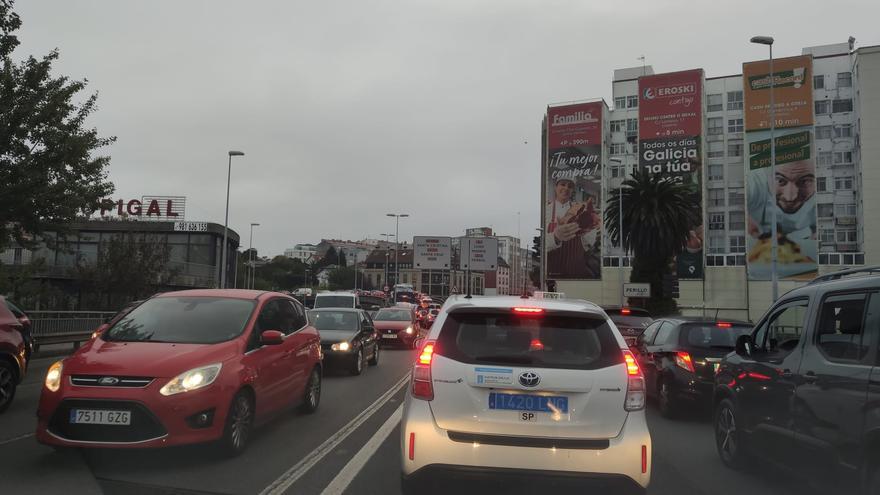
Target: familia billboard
(572, 209)
(788, 190)
(670, 128)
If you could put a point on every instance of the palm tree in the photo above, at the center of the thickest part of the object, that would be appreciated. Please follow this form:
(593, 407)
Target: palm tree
(659, 214)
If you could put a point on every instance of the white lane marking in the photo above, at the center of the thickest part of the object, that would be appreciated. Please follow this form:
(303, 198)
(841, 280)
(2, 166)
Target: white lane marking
(299, 469)
(354, 466)
(14, 439)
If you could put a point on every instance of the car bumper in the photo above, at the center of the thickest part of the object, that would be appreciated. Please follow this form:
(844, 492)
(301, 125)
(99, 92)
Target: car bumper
(692, 388)
(434, 452)
(156, 420)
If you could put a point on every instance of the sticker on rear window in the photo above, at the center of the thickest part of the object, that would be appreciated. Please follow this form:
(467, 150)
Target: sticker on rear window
(494, 376)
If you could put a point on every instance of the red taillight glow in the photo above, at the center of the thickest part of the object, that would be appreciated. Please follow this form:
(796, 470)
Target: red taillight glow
(683, 361)
(625, 311)
(427, 354)
(422, 388)
(758, 376)
(536, 345)
(723, 324)
(632, 367)
(644, 459)
(528, 311)
(412, 446)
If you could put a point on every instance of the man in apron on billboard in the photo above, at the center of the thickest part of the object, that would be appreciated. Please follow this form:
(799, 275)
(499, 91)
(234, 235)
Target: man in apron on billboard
(572, 229)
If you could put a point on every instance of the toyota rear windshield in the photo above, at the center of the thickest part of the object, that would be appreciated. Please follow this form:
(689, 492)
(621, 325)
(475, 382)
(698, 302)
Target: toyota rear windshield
(712, 335)
(536, 340)
(183, 320)
(393, 315)
(334, 302)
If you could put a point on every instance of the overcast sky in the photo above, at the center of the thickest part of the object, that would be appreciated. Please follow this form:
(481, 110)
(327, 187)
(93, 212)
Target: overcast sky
(349, 110)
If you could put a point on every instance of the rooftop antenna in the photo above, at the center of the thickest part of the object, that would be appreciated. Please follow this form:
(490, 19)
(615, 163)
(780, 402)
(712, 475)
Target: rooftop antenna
(644, 69)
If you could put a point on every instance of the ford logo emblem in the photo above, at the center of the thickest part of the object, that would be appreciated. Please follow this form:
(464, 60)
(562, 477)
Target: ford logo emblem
(108, 380)
(529, 379)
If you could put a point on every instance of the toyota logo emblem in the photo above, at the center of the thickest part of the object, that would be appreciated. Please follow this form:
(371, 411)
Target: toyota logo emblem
(529, 379)
(108, 380)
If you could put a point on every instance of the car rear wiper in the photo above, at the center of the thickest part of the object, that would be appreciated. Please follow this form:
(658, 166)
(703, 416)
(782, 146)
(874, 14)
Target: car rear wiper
(517, 358)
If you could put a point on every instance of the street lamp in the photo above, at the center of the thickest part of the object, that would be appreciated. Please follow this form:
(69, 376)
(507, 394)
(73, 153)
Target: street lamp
(253, 269)
(541, 266)
(385, 280)
(397, 217)
(771, 174)
(620, 227)
(226, 221)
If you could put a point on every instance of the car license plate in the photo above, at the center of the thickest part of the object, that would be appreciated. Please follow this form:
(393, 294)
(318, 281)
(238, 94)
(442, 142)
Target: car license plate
(390, 336)
(100, 417)
(525, 402)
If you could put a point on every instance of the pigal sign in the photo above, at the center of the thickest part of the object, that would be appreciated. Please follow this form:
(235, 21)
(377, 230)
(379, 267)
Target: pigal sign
(156, 208)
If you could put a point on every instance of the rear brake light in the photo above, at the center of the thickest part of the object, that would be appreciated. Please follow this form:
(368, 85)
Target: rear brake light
(635, 384)
(683, 361)
(422, 388)
(723, 324)
(528, 311)
(632, 367)
(427, 354)
(536, 345)
(625, 311)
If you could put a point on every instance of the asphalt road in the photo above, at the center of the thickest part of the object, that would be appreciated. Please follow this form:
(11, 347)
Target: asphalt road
(350, 446)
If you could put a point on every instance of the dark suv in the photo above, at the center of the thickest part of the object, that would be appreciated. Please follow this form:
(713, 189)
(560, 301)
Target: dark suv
(803, 388)
(630, 321)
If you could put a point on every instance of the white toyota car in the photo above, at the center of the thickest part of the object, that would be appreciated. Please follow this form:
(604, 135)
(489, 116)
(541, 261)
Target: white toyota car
(507, 388)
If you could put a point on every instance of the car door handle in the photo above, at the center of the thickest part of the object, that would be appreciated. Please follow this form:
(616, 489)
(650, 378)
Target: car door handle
(786, 374)
(811, 377)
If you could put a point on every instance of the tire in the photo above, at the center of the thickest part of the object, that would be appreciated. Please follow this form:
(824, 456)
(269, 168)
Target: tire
(239, 425)
(729, 439)
(666, 401)
(312, 395)
(357, 364)
(374, 361)
(8, 384)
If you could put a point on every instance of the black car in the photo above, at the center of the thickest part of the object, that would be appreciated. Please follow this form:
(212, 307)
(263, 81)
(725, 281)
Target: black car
(348, 337)
(803, 388)
(631, 322)
(679, 357)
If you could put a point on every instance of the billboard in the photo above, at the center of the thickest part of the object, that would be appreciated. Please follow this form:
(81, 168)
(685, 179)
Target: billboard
(432, 253)
(792, 92)
(789, 191)
(479, 253)
(573, 188)
(670, 131)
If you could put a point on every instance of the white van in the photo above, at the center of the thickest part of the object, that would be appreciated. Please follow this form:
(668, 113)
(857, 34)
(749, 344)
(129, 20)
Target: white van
(337, 300)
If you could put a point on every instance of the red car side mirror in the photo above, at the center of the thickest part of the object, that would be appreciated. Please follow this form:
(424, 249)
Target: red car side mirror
(271, 337)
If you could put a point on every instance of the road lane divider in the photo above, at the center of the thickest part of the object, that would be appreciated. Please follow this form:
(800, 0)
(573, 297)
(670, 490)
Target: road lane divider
(357, 463)
(15, 439)
(298, 470)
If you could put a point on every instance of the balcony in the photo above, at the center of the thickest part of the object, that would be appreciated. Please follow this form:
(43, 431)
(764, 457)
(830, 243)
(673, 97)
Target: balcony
(847, 247)
(847, 220)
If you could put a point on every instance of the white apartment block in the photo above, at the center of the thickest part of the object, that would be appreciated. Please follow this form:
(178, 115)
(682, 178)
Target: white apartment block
(302, 252)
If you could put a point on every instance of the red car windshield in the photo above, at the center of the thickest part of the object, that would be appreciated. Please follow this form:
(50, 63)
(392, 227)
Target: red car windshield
(183, 320)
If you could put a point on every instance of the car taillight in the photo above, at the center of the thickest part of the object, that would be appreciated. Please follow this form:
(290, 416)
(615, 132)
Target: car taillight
(422, 388)
(683, 361)
(625, 311)
(723, 324)
(528, 311)
(635, 384)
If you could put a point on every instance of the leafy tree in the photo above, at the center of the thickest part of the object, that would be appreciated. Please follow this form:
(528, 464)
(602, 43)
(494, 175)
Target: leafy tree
(48, 164)
(535, 274)
(342, 278)
(658, 215)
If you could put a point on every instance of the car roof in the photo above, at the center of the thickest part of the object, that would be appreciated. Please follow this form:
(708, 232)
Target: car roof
(507, 302)
(702, 319)
(227, 293)
(337, 293)
(858, 280)
(347, 310)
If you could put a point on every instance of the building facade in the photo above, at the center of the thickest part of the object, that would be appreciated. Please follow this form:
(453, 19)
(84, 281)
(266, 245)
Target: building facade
(379, 271)
(303, 252)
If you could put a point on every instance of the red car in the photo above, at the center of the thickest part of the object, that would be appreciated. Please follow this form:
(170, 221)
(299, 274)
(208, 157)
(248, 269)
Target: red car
(397, 325)
(13, 355)
(185, 367)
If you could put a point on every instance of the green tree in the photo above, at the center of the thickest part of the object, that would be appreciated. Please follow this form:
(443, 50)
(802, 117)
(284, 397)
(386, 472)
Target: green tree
(658, 215)
(342, 278)
(49, 168)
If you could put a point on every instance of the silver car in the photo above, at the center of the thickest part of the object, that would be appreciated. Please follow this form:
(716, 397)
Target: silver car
(508, 388)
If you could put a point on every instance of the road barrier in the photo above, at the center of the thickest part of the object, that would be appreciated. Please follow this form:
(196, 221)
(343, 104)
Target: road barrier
(62, 327)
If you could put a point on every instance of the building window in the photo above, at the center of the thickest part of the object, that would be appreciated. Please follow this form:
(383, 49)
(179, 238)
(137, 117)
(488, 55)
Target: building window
(823, 158)
(845, 210)
(737, 244)
(734, 100)
(734, 149)
(843, 131)
(822, 184)
(620, 102)
(618, 148)
(843, 183)
(716, 197)
(716, 221)
(823, 132)
(714, 103)
(617, 125)
(632, 101)
(844, 79)
(617, 171)
(826, 236)
(737, 220)
(716, 172)
(846, 236)
(734, 125)
(716, 126)
(737, 197)
(842, 157)
(825, 210)
(716, 149)
(716, 244)
(819, 81)
(823, 107)
(632, 125)
(839, 106)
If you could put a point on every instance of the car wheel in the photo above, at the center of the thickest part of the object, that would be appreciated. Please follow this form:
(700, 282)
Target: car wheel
(313, 393)
(375, 359)
(728, 436)
(7, 385)
(666, 401)
(357, 366)
(239, 423)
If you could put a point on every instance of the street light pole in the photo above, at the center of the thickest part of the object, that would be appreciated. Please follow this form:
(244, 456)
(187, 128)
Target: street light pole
(620, 228)
(541, 265)
(771, 173)
(397, 217)
(251, 258)
(226, 221)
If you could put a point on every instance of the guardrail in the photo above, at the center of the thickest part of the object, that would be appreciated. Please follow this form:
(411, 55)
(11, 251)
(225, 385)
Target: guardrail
(63, 327)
